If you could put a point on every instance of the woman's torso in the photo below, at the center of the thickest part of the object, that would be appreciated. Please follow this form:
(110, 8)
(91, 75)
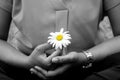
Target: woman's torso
(33, 20)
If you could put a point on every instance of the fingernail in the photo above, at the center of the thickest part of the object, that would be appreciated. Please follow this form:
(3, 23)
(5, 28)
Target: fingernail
(31, 71)
(36, 67)
(55, 60)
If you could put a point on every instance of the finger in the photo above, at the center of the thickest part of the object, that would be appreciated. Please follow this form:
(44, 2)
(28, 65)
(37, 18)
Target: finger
(43, 47)
(54, 54)
(49, 52)
(41, 70)
(54, 73)
(64, 59)
(34, 71)
(58, 71)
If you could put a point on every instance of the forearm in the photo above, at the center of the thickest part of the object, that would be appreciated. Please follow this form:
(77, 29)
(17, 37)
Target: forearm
(106, 48)
(10, 55)
(111, 46)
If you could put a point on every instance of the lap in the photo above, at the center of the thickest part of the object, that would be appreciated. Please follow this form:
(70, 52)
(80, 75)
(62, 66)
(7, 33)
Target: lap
(8, 72)
(4, 77)
(112, 73)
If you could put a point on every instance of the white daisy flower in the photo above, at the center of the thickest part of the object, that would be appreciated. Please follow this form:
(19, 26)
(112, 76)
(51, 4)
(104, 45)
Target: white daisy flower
(59, 39)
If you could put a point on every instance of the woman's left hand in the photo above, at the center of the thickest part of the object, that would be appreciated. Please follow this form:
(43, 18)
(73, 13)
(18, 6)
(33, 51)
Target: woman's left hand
(72, 57)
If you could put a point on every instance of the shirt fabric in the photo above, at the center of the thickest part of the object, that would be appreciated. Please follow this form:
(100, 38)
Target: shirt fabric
(32, 21)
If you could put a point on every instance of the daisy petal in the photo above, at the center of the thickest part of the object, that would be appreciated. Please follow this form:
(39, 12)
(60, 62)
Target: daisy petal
(58, 42)
(52, 33)
(62, 30)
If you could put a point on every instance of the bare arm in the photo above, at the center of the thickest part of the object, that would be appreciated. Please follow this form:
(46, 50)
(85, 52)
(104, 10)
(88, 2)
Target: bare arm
(113, 45)
(7, 53)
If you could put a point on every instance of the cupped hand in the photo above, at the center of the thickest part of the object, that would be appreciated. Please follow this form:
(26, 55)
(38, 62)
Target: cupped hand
(71, 57)
(39, 57)
(50, 74)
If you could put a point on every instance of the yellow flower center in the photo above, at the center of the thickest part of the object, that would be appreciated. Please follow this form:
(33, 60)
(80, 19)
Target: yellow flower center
(59, 37)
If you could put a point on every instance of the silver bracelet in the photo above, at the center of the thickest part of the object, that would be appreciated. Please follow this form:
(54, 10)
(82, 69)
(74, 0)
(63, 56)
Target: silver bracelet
(90, 59)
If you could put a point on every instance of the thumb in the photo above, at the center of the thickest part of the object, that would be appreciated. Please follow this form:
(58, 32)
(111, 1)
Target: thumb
(43, 47)
(63, 59)
(54, 54)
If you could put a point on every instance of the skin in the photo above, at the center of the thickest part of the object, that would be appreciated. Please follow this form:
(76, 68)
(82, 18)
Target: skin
(99, 52)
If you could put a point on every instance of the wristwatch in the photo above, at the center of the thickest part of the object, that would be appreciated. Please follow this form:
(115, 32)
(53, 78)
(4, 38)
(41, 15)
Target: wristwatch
(90, 59)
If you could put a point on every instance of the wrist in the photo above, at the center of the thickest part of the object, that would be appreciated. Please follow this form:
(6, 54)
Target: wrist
(29, 62)
(81, 58)
(89, 59)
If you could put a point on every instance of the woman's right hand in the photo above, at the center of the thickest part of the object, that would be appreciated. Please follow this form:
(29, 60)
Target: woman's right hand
(39, 58)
